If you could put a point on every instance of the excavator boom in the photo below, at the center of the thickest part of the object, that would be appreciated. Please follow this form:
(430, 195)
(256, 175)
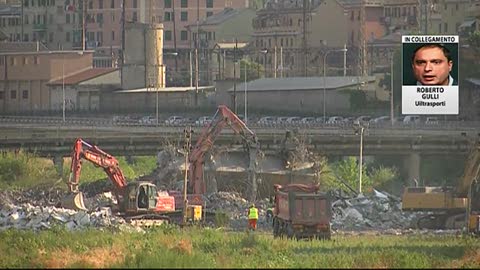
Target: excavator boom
(223, 117)
(82, 149)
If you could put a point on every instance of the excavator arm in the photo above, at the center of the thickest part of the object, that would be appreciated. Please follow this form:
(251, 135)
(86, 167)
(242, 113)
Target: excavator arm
(471, 172)
(223, 117)
(92, 153)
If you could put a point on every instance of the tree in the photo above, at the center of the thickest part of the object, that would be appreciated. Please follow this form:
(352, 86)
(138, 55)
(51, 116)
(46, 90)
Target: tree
(252, 70)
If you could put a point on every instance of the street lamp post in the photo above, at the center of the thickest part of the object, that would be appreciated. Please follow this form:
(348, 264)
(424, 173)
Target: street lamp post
(324, 77)
(264, 52)
(63, 87)
(245, 67)
(391, 90)
(358, 127)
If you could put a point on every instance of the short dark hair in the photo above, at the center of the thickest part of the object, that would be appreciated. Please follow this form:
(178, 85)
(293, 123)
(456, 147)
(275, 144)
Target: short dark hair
(445, 51)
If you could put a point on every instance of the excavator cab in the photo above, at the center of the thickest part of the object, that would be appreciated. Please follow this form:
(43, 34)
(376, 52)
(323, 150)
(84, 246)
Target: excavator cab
(141, 196)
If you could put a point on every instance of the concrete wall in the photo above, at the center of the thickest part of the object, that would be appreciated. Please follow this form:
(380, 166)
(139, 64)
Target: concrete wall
(308, 101)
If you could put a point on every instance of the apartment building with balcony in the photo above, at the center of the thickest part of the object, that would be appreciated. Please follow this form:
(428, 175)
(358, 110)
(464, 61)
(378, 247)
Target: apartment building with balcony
(446, 16)
(59, 23)
(400, 15)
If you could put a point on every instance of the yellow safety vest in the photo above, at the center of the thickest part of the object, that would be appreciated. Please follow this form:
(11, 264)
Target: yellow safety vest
(253, 213)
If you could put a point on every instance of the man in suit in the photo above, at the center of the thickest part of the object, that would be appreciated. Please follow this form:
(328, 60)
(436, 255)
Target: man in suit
(431, 65)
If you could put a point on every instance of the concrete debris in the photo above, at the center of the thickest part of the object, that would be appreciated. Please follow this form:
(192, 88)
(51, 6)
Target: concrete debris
(379, 212)
(27, 216)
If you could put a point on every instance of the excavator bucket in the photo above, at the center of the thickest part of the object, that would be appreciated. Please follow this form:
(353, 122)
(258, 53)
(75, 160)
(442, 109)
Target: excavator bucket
(74, 201)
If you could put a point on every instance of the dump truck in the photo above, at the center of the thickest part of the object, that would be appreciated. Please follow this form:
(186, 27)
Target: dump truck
(301, 211)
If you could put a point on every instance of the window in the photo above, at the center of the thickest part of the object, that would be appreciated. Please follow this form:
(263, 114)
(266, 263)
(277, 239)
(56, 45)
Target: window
(209, 36)
(134, 16)
(112, 4)
(35, 60)
(167, 4)
(209, 3)
(25, 94)
(50, 18)
(25, 3)
(67, 36)
(100, 37)
(13, 94)
(209, 13)
(113, 17)
(24, 60)
(134, 3)
(184, 16)
(100, 4)
(25, 19)
(12, 61)
(184, 4)
(445, 28)
(439, 28)
(1, 95)
(50, 37)
(183, 35)
(67, 18)
(113, 35)
(168, 35)
(90, 4)
(25, 37)
(168, 16)
(100, 18)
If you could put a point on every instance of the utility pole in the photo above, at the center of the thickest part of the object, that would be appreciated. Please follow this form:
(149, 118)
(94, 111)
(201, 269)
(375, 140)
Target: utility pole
(122, 51)
(235, 78)
(304, 38)
(174, 35)
(187, 133)
(197, 42)
(84, 23)
(21, 31)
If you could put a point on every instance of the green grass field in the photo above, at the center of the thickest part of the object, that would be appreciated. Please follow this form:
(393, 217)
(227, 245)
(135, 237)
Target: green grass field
(171, 247)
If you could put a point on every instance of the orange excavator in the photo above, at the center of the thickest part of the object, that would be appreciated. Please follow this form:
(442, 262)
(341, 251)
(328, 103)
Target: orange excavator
(223, 117)
(137, 200)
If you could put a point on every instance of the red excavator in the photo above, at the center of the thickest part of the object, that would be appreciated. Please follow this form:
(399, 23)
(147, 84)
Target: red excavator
(137, 200)
(223, 117)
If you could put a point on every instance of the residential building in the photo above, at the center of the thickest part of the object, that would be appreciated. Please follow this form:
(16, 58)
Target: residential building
(279, 28)
(400, 15)
(59, 24)
(24, 76)
(446, 16)
(226, 27)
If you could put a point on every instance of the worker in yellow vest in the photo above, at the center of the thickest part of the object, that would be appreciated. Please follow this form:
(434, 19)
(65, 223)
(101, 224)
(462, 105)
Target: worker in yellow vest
(252, 217)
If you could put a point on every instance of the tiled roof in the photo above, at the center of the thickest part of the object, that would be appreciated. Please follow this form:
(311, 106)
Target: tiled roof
(303, 83)
(82, 76)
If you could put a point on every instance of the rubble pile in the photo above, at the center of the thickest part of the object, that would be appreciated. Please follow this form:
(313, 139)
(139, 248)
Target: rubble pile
(379, 211)
(36, 210)
(27, 216)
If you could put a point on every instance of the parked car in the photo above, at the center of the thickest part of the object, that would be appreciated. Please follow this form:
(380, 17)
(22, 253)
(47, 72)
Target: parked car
(293, 120)
(363, 118)
(308, 120)
(203, 120)
(432, 120)
(281, 120)
(380, 119)
(335, 120)
(175, 120)
(148, 120)
(411, 119)
(322, 119)
(349, 120)
(266, 120)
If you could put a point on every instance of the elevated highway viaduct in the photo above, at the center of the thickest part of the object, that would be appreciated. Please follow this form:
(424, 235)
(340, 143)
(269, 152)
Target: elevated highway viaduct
(412, 143)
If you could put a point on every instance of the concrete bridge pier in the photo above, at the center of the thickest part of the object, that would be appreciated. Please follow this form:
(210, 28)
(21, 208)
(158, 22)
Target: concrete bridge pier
(412, 167)
(58, 163)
